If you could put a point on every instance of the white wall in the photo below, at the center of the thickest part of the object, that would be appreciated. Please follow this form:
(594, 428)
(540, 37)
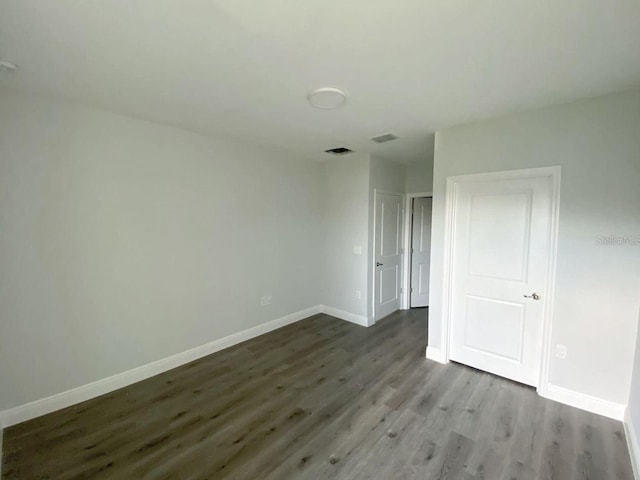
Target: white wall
(345, 193)
(633, 409)
(348, 186)
(597, 143)
(123, 242)
(419, 176)
(386, 175)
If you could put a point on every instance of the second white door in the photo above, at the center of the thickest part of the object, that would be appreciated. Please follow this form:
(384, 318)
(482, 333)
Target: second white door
(387, 253)
(501, 248)
(420, 252)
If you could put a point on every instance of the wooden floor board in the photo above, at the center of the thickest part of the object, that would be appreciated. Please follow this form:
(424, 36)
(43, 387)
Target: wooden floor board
(321, 399)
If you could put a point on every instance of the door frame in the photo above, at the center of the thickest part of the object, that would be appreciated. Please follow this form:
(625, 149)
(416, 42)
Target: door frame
(405, 299)
(451, 198)
(372, 257)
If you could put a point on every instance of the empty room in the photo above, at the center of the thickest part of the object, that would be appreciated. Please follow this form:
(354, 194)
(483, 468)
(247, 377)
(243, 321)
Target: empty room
(345, 240)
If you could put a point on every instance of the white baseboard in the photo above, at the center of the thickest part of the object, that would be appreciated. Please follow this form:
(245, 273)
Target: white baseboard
(435, 354)
(633, 441)
(349, 317)
(583, 401)
(563, 395)
(50, 404)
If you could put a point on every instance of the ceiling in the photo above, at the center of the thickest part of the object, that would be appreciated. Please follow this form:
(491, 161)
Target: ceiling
(243, 68)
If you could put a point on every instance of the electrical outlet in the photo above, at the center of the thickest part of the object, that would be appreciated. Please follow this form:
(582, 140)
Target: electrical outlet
(358, 294)
(561, 351)
(265, 300)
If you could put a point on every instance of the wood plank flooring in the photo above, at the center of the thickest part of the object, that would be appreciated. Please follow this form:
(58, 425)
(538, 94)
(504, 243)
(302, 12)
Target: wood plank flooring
(321, 399)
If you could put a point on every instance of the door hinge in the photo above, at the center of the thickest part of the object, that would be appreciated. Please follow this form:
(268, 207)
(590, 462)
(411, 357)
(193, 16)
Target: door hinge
(400, 289)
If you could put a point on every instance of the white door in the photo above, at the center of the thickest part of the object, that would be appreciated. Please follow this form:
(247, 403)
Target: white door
(387, 253)
(420, 252)
(500, 258)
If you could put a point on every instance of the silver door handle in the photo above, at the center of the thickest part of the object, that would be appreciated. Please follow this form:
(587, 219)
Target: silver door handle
(378, 264)
(534, 295)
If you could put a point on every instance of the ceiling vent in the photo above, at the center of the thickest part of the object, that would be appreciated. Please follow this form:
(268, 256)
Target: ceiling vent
(339, 151)
(387, 137)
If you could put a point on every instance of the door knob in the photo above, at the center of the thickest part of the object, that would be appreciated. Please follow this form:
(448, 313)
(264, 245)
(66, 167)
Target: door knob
(378, 264)
(534, 295)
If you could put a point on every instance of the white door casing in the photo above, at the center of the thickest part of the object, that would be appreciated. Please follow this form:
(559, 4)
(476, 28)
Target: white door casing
(387, 252)
(420, 251)
(502, 247)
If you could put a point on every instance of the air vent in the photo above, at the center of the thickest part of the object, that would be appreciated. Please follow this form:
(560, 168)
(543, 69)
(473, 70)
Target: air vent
(387, 137)
(339, 151)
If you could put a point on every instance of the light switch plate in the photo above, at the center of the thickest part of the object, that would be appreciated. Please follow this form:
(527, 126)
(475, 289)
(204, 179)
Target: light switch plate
(561, 351)
(265, 300)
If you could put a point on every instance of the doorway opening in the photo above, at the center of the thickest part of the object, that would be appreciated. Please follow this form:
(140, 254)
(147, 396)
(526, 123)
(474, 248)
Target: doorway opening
(417, 265)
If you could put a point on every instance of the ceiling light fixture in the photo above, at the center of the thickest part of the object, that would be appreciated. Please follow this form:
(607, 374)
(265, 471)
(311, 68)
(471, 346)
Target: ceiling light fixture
(7, 66)
(327, 97)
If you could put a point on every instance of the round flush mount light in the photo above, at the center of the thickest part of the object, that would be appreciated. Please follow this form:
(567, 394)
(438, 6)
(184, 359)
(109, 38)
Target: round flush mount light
(7, 66)
(327, 97)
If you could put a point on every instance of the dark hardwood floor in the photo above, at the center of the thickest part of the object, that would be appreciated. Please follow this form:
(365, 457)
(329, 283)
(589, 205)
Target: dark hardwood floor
(321, 399)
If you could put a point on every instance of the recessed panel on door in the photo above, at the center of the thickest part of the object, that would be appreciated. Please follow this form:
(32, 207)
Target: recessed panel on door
(504, 319)
(499, 235)
(423, 279)
(390, 223)
(388, 284)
